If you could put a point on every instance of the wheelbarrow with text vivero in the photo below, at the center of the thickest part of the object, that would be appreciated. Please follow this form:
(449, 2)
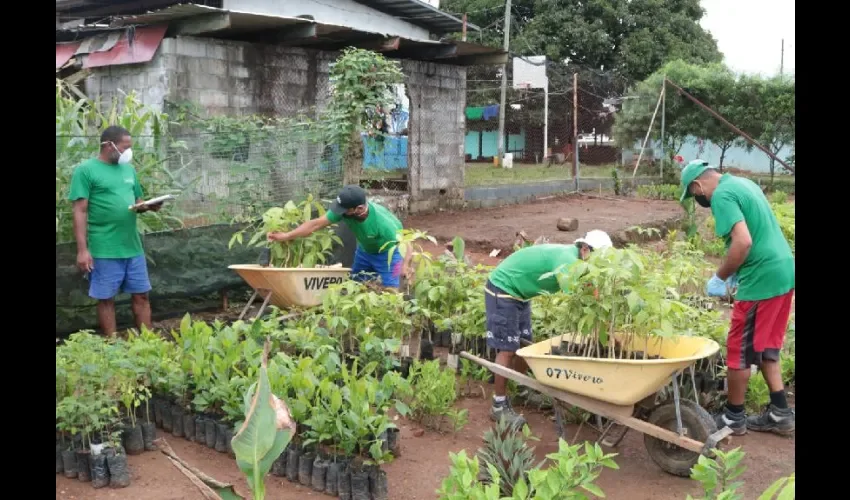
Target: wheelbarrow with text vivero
(626, 392)
(288, 287)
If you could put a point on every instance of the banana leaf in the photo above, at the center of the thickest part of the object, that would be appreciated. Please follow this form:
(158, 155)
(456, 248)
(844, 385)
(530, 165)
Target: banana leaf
(267, 429)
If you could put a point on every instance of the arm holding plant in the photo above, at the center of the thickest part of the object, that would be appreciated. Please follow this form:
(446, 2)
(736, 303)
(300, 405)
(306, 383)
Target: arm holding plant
(305, 229)
(739, 249)
(729, 222)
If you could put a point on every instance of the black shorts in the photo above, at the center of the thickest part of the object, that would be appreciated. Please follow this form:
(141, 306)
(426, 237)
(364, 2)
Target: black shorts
(508, 319)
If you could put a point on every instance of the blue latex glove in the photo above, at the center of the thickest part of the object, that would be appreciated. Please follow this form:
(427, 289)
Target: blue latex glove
(732, 282)
(715, 287)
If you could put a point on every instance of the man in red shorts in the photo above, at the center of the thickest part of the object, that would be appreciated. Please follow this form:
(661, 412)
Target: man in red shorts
(759, 258)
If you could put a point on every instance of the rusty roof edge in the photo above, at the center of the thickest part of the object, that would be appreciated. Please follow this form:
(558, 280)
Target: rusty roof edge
(187, 11)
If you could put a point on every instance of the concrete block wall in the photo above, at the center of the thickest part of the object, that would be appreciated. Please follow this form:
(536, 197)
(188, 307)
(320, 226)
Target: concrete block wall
(512, 194)
(436, 133)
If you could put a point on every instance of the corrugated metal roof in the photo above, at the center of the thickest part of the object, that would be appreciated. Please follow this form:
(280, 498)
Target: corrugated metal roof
(421, 13)
(413, 11)
(253, 27)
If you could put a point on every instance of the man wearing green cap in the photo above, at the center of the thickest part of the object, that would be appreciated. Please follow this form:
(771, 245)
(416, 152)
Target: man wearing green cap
(373, 226)
(758, 254)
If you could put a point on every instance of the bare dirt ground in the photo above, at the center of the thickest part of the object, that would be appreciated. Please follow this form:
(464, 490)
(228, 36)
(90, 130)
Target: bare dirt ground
(424, 462)
(491, 228)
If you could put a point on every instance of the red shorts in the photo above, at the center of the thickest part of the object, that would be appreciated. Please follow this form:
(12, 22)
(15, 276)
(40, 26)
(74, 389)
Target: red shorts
(757, 331)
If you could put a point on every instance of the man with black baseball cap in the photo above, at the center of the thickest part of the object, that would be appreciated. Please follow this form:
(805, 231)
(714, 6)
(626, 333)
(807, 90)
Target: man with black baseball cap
(373, 226)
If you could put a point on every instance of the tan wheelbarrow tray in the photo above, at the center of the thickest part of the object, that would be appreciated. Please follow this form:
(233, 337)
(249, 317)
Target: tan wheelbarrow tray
(624, 392)
(288, 287)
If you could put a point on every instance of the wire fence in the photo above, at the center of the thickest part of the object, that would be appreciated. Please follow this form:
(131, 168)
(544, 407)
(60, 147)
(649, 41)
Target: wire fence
(221, 181)
(687, 124)
(571, 129)
(218, 178)
(545, 129)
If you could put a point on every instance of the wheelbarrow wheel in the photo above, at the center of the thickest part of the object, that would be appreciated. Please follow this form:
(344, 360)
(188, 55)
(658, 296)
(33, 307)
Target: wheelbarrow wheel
(697, 424)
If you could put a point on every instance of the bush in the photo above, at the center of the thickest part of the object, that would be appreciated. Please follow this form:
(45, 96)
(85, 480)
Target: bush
(659, 191)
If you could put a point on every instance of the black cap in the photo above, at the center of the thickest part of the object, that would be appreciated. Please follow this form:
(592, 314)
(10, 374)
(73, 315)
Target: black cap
(348, 197)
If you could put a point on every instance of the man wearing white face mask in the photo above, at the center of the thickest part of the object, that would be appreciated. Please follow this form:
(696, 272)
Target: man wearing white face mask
(109, 248)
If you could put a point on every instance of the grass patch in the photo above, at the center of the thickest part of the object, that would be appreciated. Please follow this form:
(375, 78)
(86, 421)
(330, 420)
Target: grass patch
(485, 174)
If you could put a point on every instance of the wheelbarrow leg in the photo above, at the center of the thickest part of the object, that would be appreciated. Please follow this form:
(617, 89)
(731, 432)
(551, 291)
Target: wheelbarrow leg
(248, 305)
(265, 303)
(677, 401)
(694, 383)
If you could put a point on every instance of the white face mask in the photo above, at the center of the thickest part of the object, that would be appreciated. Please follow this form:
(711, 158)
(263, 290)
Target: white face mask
(125, 157)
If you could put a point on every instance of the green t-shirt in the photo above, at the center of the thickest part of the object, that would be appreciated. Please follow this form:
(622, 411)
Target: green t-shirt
(768, 270)
(110, 190)
(519, 274)
(373, 233)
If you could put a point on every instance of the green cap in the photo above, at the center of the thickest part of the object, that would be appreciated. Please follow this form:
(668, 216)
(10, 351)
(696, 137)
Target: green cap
(691, 171)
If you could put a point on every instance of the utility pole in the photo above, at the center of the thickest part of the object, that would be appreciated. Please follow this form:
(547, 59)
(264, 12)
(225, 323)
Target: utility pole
(504, 95)
(782, 58)
(575, 129)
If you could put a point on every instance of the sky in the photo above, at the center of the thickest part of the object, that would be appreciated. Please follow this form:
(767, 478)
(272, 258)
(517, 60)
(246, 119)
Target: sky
(750, 33)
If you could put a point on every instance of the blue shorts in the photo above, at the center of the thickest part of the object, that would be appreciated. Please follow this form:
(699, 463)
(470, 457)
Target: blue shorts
(368, 266)
(508, 320)
(110, 276)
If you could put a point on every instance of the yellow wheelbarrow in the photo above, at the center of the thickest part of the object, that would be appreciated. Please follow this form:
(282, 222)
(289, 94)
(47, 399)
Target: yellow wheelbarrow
(288, 287)
(623, 391)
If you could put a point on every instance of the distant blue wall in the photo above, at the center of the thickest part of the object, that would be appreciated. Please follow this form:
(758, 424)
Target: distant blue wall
(737, 157)
(490, 143)
(387, 154)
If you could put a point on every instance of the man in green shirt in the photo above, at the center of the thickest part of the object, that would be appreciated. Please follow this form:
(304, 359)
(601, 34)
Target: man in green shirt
(106, 198)
(373, 226)
(507, 304)
(761, 258)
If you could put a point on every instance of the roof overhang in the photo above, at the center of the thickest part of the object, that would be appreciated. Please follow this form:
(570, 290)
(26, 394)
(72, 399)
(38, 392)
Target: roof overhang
(420, 13)
(415, 12)
(198, 20)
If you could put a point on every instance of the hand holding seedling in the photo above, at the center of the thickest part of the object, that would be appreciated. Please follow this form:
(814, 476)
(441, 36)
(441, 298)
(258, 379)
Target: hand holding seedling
(278, 236)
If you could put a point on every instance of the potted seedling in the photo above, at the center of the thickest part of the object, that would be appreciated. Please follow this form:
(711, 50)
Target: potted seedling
(132, 396)
(68, 423)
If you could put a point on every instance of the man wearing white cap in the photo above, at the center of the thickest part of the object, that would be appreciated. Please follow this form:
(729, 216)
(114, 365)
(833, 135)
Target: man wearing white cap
(507, 303)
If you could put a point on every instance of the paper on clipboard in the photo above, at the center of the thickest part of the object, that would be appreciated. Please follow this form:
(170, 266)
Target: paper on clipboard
(154, 201)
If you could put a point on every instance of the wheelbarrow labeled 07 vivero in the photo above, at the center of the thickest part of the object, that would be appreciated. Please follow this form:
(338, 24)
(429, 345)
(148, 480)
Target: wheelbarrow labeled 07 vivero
(624, 391)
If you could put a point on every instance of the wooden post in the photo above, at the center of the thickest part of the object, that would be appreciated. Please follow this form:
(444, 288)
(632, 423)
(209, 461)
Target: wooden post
(225, 303)
(504, 88)
(463, 33)
(575, 129)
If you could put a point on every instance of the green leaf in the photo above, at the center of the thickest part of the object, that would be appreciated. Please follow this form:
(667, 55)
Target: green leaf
(785, 484)
(402, 408)
(521, 490)
(265, 433)
(592, 488)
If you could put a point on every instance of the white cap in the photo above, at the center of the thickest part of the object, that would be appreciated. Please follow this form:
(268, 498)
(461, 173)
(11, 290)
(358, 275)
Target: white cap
(596, 239)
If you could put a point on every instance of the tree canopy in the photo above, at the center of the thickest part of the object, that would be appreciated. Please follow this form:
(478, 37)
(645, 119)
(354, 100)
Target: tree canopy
(632, 38)
(761, 107)
(611, 44)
